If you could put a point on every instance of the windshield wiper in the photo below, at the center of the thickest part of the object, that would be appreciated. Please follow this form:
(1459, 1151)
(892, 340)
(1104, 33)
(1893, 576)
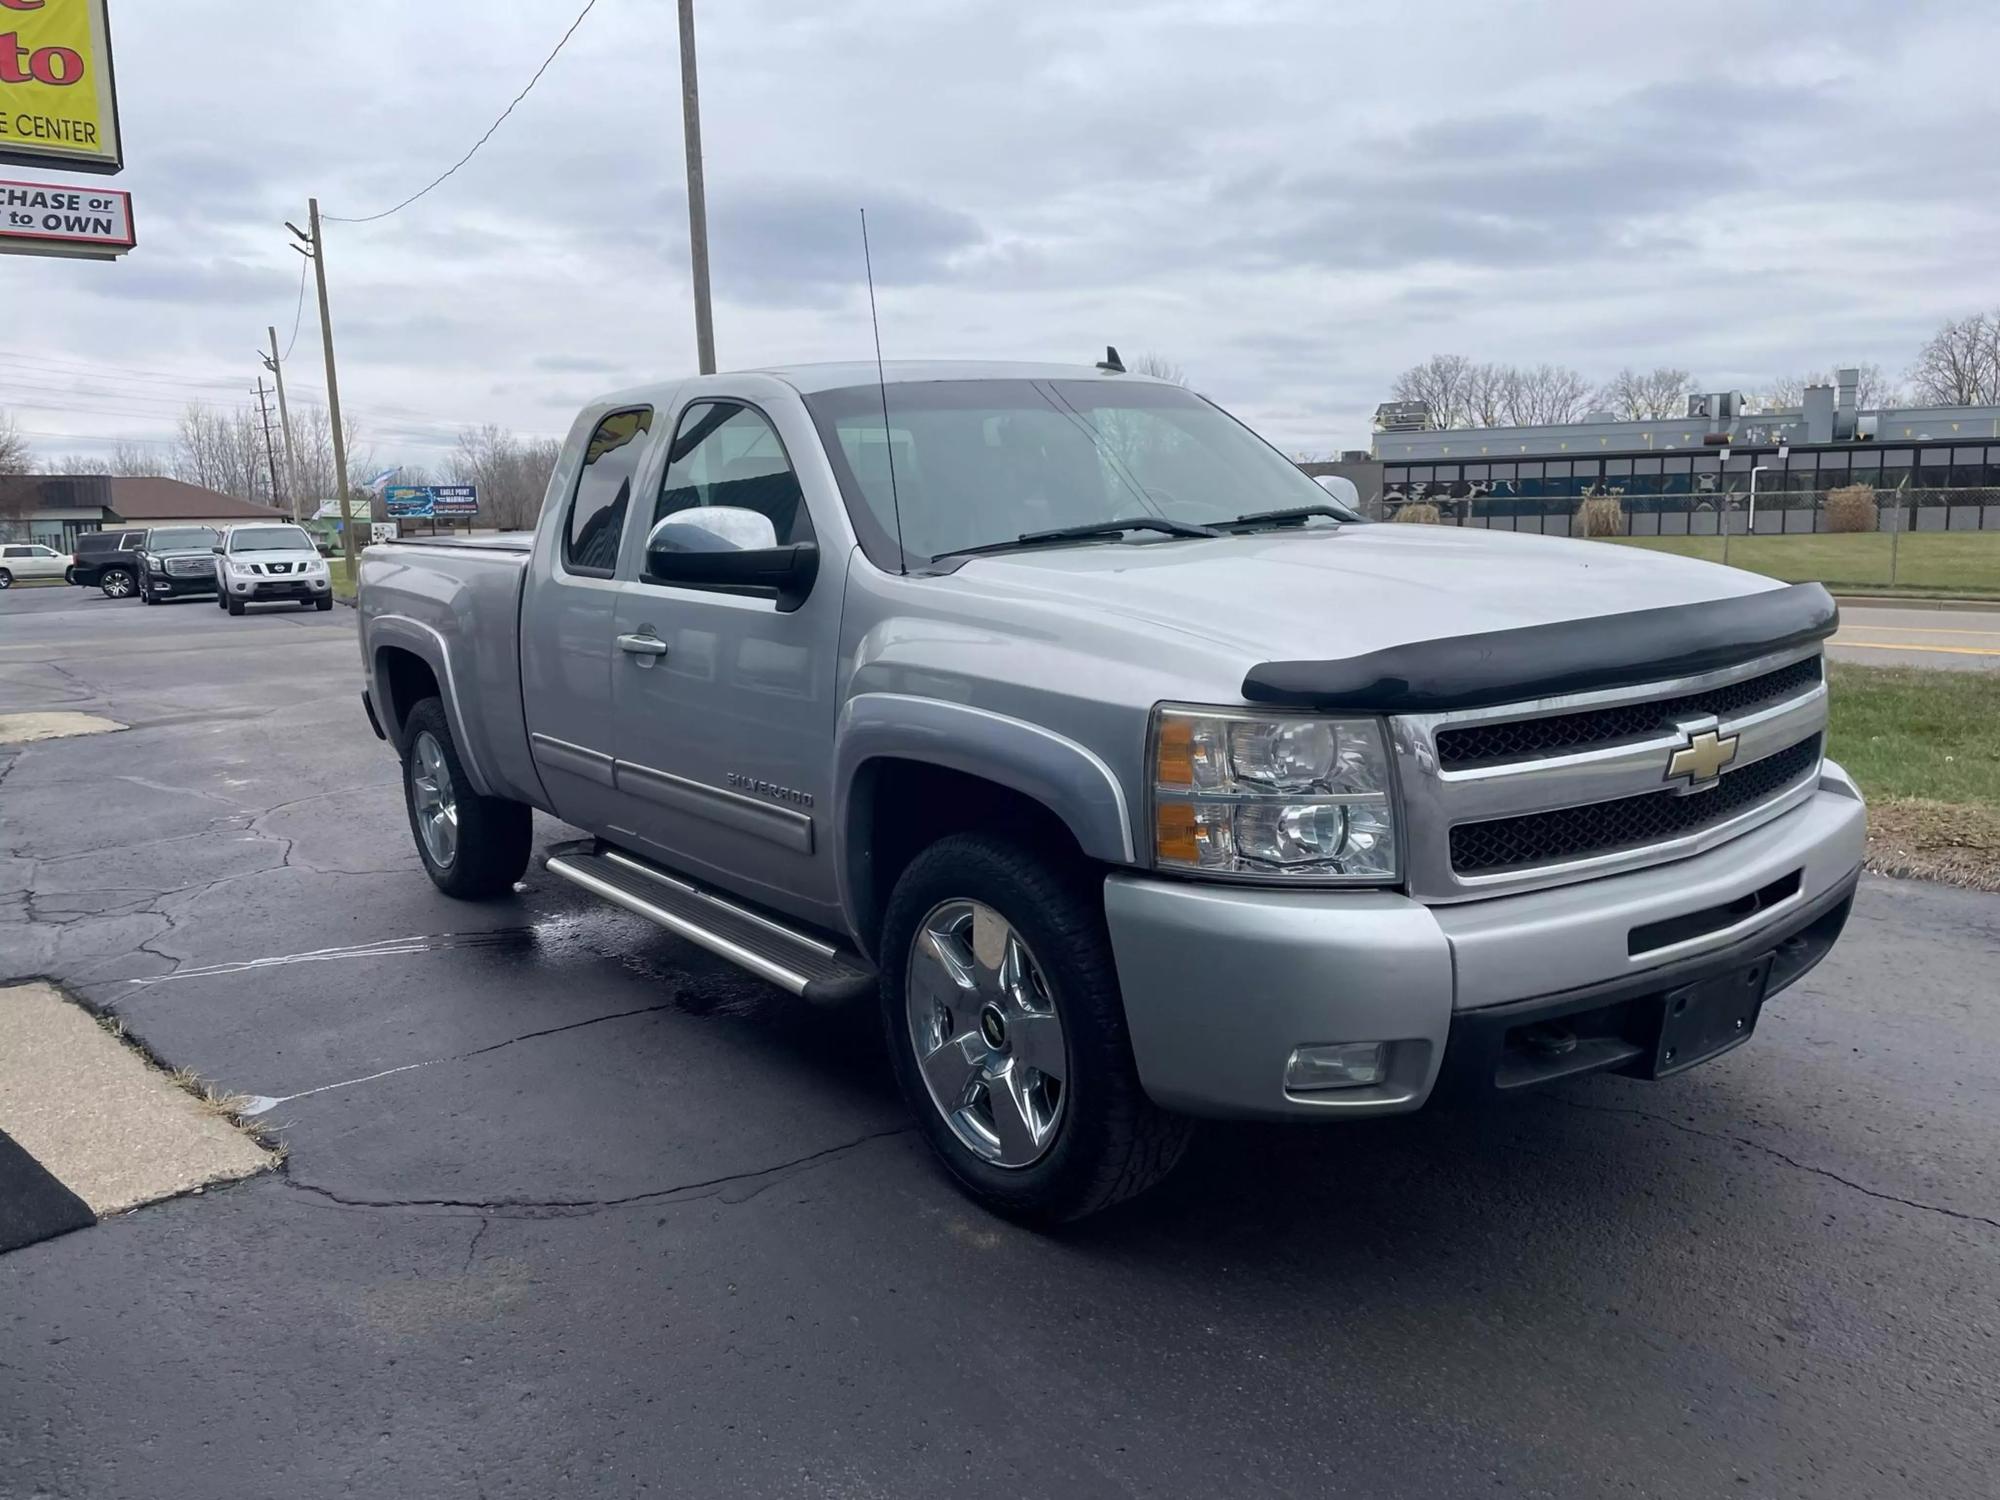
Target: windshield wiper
(1299, 513)
(1087, 531)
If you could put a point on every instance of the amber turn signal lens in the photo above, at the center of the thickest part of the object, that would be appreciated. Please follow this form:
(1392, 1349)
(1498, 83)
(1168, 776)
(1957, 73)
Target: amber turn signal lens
(1174, 833)
(1174, 763)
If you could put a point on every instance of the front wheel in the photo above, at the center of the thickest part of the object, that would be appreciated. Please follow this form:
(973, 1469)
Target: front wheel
(69, 577)
(234, 606)
(6, 579)
(1007, 1032)
(324, 601)
(473, 847)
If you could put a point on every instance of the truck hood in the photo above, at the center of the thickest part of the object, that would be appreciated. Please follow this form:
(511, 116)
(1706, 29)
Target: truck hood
(1331, 593)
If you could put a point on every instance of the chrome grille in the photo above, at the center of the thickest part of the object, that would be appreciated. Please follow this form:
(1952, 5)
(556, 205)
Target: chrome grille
(1519, 739)
(189, 567)
(1602, 827)
(1527, 795)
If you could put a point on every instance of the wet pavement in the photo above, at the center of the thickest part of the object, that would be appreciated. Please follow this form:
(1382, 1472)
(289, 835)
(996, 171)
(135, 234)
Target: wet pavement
(571, 1208)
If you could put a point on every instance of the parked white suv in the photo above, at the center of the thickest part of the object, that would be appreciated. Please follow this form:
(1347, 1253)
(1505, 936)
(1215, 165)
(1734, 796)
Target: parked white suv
(261, 562)
(30, 560)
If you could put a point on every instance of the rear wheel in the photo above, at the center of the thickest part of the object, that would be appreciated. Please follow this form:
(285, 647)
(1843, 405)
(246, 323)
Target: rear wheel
(473, 847)
(1007, 1032)
(69, 576)
(116, 583)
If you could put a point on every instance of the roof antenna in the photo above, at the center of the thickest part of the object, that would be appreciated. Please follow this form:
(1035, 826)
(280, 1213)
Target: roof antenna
(1111, 363)
(882, 384)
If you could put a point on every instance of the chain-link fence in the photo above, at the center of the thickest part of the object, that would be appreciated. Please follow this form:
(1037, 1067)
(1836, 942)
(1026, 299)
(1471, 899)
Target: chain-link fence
(1937, 540)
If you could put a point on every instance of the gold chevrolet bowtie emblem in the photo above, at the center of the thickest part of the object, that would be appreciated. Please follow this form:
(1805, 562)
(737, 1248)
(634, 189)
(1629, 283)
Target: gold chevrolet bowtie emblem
(1702, 757)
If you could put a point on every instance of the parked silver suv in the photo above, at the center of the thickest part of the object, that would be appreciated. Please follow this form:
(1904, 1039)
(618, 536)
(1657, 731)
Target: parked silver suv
(1060, 716)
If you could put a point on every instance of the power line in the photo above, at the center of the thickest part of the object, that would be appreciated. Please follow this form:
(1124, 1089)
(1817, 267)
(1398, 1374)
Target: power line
(589, 6)
(298, 316)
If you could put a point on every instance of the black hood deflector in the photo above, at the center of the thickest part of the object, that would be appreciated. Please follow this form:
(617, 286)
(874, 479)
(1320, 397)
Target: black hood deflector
(1544, 661)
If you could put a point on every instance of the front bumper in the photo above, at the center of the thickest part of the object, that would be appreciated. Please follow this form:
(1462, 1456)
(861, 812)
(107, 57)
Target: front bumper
(180, 585)
(1222, 983)
(301, 586)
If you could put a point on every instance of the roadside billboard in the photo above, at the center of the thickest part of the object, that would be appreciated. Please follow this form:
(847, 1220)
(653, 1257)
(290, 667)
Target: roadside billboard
(58, 96)
(429, 502)
(46, 218)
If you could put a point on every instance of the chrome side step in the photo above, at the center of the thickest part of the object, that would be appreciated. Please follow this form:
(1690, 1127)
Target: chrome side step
(808, 966)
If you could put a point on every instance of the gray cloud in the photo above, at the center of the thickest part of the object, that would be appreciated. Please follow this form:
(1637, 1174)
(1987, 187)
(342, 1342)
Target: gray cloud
(1292, 200)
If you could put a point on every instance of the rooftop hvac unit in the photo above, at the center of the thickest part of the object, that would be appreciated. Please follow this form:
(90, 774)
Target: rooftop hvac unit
(1403, 416)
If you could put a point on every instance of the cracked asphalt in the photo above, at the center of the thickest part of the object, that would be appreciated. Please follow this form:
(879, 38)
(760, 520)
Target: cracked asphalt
(571, 1208)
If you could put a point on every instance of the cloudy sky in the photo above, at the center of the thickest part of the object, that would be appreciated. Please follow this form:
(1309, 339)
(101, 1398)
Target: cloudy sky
(1292, 199)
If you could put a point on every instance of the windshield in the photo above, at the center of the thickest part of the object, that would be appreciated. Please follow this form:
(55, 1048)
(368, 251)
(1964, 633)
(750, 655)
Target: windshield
(270, 539)
(182, 539)
(982, 461)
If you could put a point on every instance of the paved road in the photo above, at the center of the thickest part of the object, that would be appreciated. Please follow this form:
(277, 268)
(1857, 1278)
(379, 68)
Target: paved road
(1964, 640)
(571, 1209)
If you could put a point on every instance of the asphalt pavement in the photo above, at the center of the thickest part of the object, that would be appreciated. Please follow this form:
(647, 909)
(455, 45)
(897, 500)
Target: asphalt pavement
(572, 1209)
(1954, 640)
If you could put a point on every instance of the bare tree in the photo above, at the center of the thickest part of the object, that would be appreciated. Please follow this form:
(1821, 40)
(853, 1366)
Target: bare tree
(312, 446)
(1439, 386)
(14, 455)
(1160, 368)
(1544, 395)
(1486, 391)
(1960, 364)
(512, 475)
(1641, 396)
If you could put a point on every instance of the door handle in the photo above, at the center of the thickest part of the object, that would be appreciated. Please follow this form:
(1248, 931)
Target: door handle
(642, 645)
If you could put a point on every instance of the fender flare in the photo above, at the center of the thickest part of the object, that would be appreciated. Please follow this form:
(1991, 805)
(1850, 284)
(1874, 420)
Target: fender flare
(1070, 779)
(427, 645)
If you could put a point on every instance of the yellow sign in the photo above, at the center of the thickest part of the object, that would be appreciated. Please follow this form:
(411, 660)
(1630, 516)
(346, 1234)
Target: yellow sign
(58, 100)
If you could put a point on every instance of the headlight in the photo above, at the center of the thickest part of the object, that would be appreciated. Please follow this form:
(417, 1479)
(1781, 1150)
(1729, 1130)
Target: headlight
(154, 565)
(1272, 796)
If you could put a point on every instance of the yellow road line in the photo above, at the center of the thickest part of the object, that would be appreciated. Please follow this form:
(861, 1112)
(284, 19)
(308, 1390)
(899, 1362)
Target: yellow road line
(1919, 647)
(1924, 630)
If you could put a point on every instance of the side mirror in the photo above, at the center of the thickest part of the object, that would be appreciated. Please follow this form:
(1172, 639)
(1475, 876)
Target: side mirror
(727, 547)
(216, 550)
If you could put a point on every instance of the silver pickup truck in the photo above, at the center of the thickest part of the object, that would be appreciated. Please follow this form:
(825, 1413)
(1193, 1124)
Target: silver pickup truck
(1055, 712)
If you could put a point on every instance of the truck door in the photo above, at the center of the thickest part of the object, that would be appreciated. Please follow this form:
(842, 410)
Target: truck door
(724, 696)
(568, 620)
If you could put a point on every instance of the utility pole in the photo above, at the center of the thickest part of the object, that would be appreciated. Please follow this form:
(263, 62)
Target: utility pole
(317, 255)
(704, 322)
(277, 368)
(270, 448)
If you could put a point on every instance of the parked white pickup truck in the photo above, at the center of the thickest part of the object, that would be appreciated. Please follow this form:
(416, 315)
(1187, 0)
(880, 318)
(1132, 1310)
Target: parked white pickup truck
(1135, 780)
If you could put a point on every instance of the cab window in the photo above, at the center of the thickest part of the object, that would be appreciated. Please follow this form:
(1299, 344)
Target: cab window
(726, 453)
(596, 519)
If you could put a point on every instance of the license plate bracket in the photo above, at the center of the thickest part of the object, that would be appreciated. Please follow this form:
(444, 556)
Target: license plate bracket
(1698, 1021)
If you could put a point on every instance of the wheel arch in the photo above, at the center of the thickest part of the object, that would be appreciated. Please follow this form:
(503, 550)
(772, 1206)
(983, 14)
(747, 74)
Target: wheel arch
(408, 662)
(911, 770)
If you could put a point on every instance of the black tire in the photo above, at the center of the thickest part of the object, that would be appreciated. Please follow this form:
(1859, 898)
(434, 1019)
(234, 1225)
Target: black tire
(234, 606)
(116, 583)
(146, 595)
(495, 836)
(324, 601)
(6, 579)
(221, 601)
(1112, 1142)
(69, 577)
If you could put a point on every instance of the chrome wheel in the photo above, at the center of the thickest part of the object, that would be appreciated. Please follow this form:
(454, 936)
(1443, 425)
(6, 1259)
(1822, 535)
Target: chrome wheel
(436, 803)
(989, 1041)
(117, 585)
